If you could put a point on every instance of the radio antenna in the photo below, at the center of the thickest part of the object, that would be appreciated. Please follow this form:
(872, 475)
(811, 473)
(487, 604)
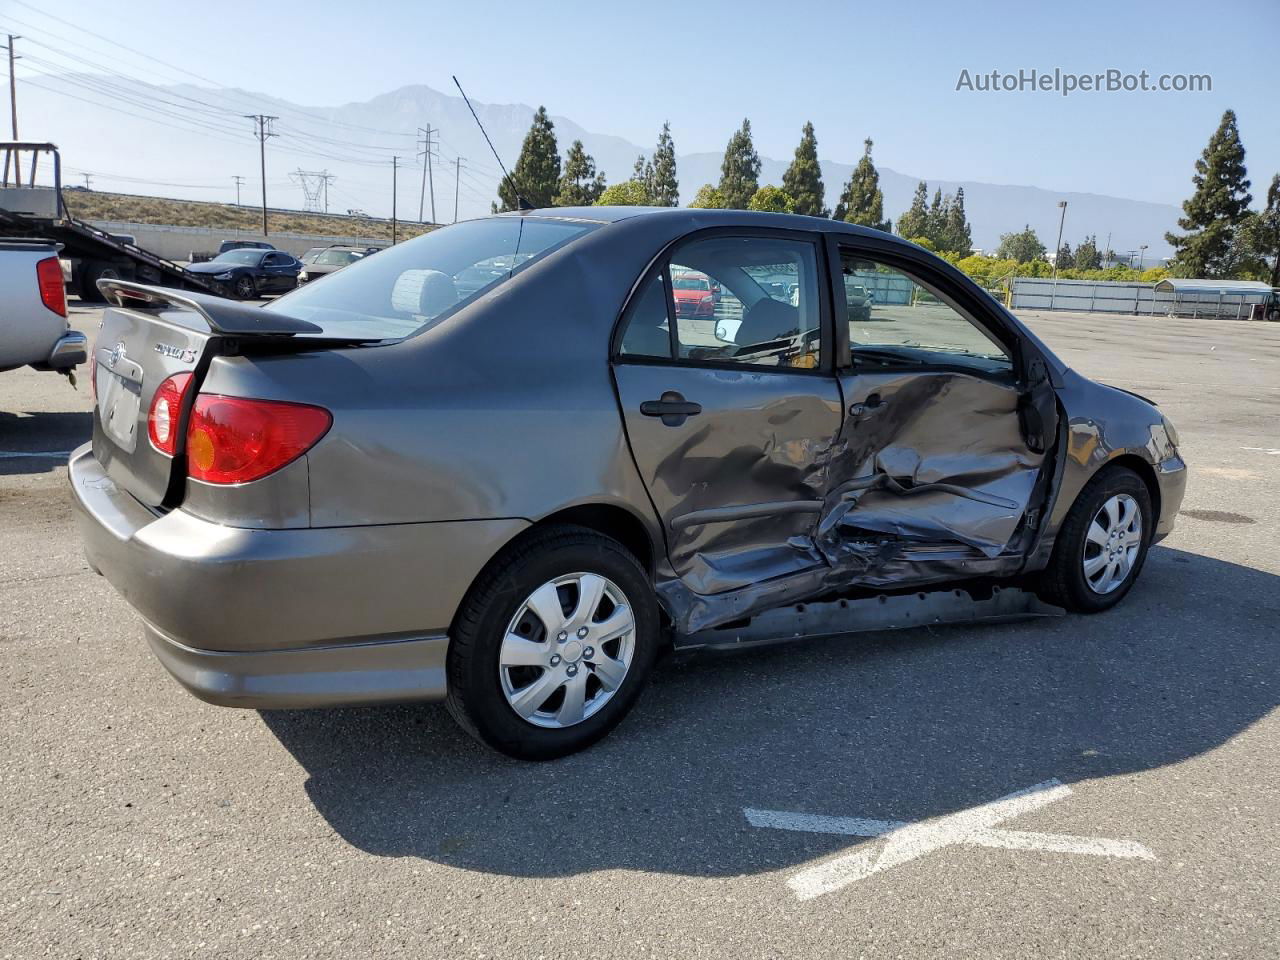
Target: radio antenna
(521, 202)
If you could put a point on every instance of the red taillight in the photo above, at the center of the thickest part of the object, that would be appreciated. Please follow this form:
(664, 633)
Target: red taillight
(52, 291)
(166, 408)
(236, 439)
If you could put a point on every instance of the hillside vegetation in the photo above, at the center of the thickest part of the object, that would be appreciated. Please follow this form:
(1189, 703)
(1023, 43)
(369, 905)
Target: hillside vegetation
(97, 205)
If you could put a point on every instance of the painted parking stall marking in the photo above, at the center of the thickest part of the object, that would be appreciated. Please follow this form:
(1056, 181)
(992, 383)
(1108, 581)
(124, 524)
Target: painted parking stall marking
(905, 841)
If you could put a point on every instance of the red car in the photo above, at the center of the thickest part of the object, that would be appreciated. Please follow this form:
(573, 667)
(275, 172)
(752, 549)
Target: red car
(695, 295)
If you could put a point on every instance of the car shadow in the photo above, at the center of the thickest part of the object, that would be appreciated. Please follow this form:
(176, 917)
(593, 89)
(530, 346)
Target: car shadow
(38, 442)
(897, 726)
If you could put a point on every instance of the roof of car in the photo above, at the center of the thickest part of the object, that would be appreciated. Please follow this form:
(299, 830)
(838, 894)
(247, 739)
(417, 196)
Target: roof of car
(704, 218)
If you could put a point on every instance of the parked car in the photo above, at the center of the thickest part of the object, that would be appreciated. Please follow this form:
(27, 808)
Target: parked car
(249, 273)
(859, 301)
(693, 295)
(325, 260)
(381, 488)
(227, 245)
(33, 309)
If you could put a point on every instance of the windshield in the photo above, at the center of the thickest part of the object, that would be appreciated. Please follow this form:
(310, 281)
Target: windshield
(687, 282)
(311, 254)
(407, 287)
(247, 257)
(337, 257)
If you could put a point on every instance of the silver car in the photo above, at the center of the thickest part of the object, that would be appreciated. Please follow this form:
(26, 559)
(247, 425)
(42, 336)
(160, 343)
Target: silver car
(492, 465)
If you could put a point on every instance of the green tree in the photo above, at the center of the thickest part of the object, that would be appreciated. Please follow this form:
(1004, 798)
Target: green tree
(581, 185)
(771, 199)
(740, 170)
(709, 198)
(1024, 247)
(1214, 210)
(915, 222)
(1066, 259)
(936, 221)
(803, 179)
(1087, 256)
(1255, 251)
(629, 193)
(861, 201)
(537, 170)
(956, 236)
(664, 188)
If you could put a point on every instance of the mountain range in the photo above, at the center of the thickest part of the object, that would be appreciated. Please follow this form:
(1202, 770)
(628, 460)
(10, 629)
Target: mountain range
(188, 141)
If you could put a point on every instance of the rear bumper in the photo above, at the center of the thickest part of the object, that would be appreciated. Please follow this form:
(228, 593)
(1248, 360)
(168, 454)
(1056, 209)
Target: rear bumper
(360, 673)
(285, 618)
(70, 351)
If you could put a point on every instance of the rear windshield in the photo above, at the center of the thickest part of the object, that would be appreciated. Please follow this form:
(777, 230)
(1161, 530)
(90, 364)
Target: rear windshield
(337, 257)
(419, 282)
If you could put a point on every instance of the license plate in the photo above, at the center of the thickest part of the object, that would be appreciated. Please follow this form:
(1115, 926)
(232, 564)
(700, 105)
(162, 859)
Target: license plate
(118, 402)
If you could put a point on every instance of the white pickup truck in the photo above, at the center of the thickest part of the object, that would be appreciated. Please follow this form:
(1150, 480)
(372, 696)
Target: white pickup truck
(33, 309)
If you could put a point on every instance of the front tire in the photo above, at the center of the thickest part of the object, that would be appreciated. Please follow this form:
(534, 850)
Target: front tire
(552, 645)
(245, 288)
(1102, 545)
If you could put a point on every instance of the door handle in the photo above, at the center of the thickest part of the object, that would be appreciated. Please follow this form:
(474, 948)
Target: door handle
(673, 408)
(868, 406)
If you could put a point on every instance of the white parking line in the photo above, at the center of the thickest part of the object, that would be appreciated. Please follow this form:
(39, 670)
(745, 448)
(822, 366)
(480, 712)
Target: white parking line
(1269, 451)
(906, 841)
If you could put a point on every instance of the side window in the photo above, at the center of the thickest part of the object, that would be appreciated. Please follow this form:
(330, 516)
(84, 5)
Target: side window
(895, 318)
(646, 332)
(749, 300)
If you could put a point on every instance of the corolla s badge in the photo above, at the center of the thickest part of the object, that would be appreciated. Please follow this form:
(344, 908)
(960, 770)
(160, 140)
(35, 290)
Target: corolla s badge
(175, 353)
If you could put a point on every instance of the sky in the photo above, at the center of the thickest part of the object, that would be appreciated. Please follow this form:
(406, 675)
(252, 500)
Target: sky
(888, 71)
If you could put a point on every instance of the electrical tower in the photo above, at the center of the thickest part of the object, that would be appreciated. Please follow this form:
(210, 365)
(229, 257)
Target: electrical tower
(426, 150)
(262, 130)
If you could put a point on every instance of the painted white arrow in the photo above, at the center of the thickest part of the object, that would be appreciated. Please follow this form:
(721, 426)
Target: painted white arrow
(906, 841)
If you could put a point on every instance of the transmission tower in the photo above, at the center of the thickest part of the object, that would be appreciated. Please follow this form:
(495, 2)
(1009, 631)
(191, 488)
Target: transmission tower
(315, 188)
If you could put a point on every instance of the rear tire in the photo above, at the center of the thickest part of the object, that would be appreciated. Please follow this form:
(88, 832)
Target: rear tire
(90, 273)
(538, 690)
(1092, 568)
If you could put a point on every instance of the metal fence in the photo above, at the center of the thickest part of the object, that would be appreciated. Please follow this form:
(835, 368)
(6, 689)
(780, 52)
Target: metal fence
(1099, 296)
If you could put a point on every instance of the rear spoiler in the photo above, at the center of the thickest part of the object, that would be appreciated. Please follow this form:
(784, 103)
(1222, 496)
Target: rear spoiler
(225, 317)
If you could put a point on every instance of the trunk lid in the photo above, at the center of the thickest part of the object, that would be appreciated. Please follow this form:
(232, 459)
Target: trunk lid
(150, 335)
(135, 352)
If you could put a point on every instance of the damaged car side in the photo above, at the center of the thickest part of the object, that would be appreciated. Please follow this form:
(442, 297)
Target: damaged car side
(513, 495)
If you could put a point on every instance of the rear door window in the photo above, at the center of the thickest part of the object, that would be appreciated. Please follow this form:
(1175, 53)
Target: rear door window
(420, 282)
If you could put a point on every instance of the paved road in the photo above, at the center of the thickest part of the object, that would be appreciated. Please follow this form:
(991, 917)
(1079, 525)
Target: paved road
(142, 823)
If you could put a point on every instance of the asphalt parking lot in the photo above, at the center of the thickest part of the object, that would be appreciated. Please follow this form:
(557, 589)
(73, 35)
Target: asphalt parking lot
(741, 811)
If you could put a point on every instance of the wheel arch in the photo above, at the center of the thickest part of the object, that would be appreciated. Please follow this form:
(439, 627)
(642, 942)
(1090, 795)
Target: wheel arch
(1146, 473)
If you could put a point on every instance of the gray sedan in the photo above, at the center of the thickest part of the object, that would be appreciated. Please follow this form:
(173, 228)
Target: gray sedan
(495, 465)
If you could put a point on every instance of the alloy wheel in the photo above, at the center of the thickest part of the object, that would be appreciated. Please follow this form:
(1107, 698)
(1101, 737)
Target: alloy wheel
(567, 650)
(1112, 543)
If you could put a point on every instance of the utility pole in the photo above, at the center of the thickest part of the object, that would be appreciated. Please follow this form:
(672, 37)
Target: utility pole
(262, 130)
(1056, 250)
(457, 175)
(239, 180)
(326, 176)
(13, 111)
(1142, 252)
(88, 180)
(427, 149)
(395, 161)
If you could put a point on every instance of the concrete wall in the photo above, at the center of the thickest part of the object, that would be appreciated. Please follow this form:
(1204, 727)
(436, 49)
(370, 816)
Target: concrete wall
(178, 243)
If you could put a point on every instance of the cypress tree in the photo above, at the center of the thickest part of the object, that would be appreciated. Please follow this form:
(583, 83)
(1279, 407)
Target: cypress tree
(936, 221)
(581, 185)
(862, 201)
(1066, 259)
(537, 170)
(803, 179)
(740, 170)
(1211, 215)
(956, 235)
(664, 188)
(915, 222)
